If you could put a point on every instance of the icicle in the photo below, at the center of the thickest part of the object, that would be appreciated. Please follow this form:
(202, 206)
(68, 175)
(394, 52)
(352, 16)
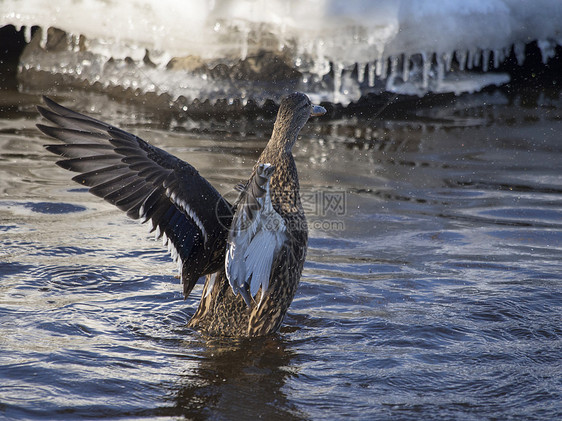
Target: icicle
(338, 75)
(371, 69)
(44, 38)
(547, 50)
(320, 66)
(498, 57)
(393, 67)
(447, 59)
(406, 68)
(506, 52)
(462, 59)
(75, 42)
(361, 72)
(394, 63)
(519, 50)
(426, 58)
(244, 47)
(477, 58)
(27, 33)
(485, 59)
(381, 68)
(441, 63)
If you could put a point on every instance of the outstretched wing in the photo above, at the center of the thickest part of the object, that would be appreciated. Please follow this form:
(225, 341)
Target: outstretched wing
(256, 235)
(148, 184)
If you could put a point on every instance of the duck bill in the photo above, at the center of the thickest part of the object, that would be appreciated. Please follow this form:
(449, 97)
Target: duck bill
(317, 110)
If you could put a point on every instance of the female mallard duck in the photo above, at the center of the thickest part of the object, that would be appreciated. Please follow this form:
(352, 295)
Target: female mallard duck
(252, 252)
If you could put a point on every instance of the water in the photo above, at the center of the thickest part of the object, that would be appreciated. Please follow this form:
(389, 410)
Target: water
(432, 288)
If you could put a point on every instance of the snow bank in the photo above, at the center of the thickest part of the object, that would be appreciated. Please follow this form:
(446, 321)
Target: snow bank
(337, 51)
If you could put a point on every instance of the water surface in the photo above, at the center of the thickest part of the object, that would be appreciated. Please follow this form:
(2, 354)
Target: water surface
(432, 288)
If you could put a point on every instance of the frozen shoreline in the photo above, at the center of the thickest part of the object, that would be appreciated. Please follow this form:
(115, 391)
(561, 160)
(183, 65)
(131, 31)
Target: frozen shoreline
(261, 50)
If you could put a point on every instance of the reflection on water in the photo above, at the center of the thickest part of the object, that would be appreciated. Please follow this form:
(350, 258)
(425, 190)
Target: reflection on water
(432, 287)
(240, 379)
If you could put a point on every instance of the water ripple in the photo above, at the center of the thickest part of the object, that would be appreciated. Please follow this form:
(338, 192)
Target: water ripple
(440, 298)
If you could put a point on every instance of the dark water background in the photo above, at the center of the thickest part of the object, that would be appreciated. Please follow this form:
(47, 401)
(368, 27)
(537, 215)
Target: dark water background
(432, 289)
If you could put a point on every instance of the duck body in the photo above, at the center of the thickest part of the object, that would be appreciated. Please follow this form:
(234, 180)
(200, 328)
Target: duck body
(262, 316)
(251, 253)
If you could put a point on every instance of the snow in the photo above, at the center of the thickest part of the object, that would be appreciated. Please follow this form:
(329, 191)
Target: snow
(342, 49)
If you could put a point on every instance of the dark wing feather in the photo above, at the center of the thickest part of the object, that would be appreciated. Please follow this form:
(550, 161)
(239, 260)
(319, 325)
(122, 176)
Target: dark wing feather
(147, 183)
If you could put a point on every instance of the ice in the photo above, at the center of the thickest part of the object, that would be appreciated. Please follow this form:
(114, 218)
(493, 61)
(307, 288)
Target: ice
(406, 68)
(547, 48)
(455, 82)
(519, 50)
(361, 67)
(448, 60)
(498, 57)
(485, 59)
(371, 74)
(27, 34)
(426, 65)
(211, 49)
(462, 57)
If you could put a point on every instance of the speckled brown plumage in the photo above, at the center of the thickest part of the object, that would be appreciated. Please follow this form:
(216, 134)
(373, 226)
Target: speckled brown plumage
(221, 312)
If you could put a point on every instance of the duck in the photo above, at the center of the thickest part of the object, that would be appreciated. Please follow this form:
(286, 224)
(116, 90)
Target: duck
(249, 254)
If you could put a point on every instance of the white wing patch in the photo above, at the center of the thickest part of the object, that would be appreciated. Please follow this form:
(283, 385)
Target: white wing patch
(184, 207)
(256, 236)
(182, 204)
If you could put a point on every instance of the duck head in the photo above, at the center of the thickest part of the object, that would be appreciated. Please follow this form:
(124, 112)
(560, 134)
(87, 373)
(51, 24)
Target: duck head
(294, 112)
